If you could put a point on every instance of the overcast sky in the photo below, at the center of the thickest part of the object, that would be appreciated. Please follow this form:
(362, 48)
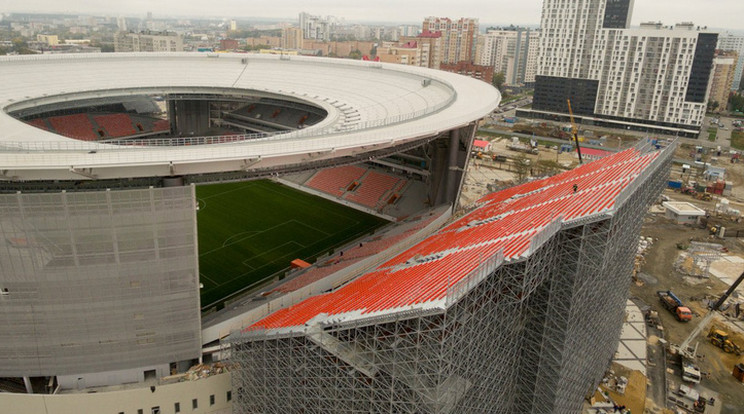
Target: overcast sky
(711, 13)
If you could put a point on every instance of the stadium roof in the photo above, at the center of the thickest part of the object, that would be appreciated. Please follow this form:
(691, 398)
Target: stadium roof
(507, 226)
(370, 106)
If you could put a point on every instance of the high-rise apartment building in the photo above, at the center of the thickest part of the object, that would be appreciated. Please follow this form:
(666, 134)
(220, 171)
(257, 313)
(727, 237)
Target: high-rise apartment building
(291, 38)
(121, 23)
(459, 37)
(724, 68)
(148, 42)
(511, 51)
(653, 78)
(315, 27)
(735, 43)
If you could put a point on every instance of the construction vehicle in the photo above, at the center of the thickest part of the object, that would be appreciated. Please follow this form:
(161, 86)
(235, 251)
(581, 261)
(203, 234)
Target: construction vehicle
(704, 196)
(721, 339)
(684, 351)
(688, 190)
(575, 131)
(672, 303)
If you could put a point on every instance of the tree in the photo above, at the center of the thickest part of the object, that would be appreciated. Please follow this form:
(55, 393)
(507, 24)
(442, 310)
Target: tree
(498, 80)
(522, 167)
(548, 167)
(355, 54)
(737, 102)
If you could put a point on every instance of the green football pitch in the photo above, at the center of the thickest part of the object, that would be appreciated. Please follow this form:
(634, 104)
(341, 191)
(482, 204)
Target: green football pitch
(251, 230)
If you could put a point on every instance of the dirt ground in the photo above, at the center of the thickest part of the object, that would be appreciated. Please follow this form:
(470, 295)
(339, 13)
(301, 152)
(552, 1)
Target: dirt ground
(634, 397)
(659, 264)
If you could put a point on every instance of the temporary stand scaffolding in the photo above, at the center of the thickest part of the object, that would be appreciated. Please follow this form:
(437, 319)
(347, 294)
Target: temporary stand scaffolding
(528, 332)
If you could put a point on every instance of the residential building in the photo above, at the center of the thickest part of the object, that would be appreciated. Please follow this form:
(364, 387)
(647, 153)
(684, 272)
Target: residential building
(50, 40)
(430, 44)
(484, 73)
(291, 38)
(459, 37)
(315, 27)
(409, 53)
(121, 23)
(653, 78)
(724, 68)
(148, 42)
(511, 51)
(228, 44)
(729, 41)
(339, 49)
(268, 41)
(233, 25)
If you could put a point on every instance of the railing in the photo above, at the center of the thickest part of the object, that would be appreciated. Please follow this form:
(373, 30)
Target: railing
(336, 129)
(467, 283)
(640, 180)
(191, 141)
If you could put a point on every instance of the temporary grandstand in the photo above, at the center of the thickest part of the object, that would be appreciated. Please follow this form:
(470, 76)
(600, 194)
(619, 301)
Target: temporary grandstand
(515, 307)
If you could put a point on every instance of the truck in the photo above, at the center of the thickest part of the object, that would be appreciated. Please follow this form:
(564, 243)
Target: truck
(672, 303)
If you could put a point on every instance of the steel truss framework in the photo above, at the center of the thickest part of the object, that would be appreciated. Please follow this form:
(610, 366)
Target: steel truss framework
(533, 336)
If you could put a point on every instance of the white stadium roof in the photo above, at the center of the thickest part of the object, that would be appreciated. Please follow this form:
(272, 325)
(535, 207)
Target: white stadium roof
(370, 106)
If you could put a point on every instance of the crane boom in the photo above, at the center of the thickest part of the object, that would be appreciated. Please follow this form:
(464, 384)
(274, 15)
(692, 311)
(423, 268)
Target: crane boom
(575, 131)
(703, 323)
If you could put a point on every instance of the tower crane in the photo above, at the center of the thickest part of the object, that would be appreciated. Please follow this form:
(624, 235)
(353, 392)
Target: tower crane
(574, 130)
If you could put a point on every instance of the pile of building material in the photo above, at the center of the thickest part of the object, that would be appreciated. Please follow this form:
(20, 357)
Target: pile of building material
(201, 371)
(723, 207)
(644, 243)
(697, 259)
(622, 391)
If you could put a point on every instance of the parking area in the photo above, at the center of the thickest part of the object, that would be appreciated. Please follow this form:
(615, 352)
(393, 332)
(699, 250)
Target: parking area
(721, 126)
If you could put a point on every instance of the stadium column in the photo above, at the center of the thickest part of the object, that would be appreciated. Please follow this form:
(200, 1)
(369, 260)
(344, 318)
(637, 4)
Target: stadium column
(191, 117)
(172, 115)
(458, 160)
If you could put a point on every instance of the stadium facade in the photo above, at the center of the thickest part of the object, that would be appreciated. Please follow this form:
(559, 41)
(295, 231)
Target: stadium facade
(100, 276)
(102, 281)
(515, 307)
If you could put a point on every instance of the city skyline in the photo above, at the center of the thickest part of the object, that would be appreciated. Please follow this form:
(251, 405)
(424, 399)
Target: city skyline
(488, 12)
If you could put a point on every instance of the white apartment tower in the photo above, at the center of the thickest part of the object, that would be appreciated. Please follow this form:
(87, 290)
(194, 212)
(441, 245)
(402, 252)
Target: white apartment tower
(735, 43)
(315, 27)
(653, 78)
(511, 51)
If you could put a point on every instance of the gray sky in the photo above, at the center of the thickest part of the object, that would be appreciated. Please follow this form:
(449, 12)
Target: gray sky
(711, 13)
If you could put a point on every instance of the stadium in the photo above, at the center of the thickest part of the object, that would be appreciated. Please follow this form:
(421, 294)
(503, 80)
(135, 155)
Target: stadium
(293, 218)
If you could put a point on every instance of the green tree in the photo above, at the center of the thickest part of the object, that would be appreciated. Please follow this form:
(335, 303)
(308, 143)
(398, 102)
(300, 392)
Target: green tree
(736, 101)
(355, 54)
(498, 80)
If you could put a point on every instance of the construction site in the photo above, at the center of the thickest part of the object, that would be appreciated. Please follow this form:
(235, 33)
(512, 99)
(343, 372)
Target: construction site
(690, 253)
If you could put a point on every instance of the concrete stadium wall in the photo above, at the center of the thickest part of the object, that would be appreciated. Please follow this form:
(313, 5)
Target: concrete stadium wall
(129, 401)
